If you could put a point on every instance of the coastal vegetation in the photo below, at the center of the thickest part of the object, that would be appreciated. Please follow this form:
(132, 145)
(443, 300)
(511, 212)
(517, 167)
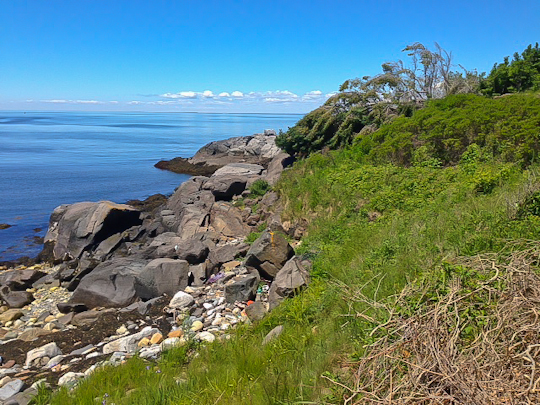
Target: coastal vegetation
(423, 203)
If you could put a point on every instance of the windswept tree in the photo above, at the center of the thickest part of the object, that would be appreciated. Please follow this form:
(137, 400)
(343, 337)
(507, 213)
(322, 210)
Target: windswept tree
(364, 104)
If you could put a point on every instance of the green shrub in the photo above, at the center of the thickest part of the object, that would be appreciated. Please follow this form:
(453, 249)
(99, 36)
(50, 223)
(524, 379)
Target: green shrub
(259, 188)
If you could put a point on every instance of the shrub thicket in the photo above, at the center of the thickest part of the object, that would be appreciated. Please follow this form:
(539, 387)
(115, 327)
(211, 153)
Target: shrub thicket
(453, 128)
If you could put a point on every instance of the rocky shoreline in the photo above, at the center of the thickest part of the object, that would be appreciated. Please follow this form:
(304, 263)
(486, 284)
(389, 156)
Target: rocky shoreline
(119, 279)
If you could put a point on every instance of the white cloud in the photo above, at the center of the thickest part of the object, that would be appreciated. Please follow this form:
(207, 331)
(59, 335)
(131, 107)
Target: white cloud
(113, 102)
(55, 101)
(313, 95)
(208, 93)
(237, 93)
(87, 102)
(224, 94)
(135, 102)
(61, 101)
(328, 95)
(182, 94)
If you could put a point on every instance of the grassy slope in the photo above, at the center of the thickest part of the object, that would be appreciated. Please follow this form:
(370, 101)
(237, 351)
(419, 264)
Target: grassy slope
(373, 227)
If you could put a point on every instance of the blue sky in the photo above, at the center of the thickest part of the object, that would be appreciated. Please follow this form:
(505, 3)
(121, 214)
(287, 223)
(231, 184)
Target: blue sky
(232, 56)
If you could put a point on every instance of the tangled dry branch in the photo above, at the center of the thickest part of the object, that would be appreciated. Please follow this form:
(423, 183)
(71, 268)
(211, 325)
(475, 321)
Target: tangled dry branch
(467, 345)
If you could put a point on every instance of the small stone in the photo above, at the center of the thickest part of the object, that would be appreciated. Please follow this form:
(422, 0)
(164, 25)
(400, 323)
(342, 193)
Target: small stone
(156, 338)
(52, 289)
(93, 354)
(8, 324)
(10, 389)
(8, 364)
(121, 330)
(178, 333)
(150, 352)
(54, 361)
(50, 318)
(48, 350)
(143, 342)
(170, 343)
(231, 265)
(32, 320)
(196, 326)
(5, 380)
(181, 300)
(70, 378)
(207, 337)
(207, 305)
(50, 326)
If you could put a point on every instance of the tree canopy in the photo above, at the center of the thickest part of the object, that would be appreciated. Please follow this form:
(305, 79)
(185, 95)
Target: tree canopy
(520, 74)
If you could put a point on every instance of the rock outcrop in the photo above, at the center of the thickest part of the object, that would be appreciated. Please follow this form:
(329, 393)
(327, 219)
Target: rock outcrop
(85, 226)
(153, 277)
(258, 149)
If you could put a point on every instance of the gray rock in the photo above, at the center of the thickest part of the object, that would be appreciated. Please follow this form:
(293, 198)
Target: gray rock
(55, 361)
(108, 245)
(274, 333)
(226, 253)
(276, 166)
(162, 276)
(239, 169)
(20, 279)
(111, 284)
(181, 300)
(243, 289)
(291, 279)
(152, 352)
(70, 378)
(15, 299)
(128, 344)
(10, 389)
(256, 311)
(83, 226)
(227, 221)
(224, 187)
(269, 253)
(199, 273)
(49, 350)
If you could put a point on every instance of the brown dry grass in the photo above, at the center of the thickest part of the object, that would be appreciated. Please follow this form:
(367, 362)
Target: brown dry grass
(430, 355)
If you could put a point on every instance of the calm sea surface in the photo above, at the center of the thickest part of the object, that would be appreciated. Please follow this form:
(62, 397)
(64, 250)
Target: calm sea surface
(48, 159)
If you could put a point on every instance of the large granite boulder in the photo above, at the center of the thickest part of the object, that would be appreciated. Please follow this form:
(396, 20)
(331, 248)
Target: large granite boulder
(269, 253)
(276, 166)
(170, 245)
(290, 280)
(81, 227)
(257, 149)
(226, 220)
(225, 187)
(162, 276)
(111, 284)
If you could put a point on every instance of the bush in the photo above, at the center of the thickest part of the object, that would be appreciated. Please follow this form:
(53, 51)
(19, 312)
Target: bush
(259, 188)
(460, 127)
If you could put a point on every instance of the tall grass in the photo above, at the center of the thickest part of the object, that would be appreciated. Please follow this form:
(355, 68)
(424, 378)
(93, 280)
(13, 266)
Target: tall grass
(372, 227)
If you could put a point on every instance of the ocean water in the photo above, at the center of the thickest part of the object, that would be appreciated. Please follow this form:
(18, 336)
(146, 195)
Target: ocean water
(52, 158)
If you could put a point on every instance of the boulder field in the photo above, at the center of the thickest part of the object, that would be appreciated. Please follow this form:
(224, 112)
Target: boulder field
(120, 279)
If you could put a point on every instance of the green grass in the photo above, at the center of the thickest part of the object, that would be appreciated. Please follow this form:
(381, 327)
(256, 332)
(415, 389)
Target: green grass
(426, 215)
